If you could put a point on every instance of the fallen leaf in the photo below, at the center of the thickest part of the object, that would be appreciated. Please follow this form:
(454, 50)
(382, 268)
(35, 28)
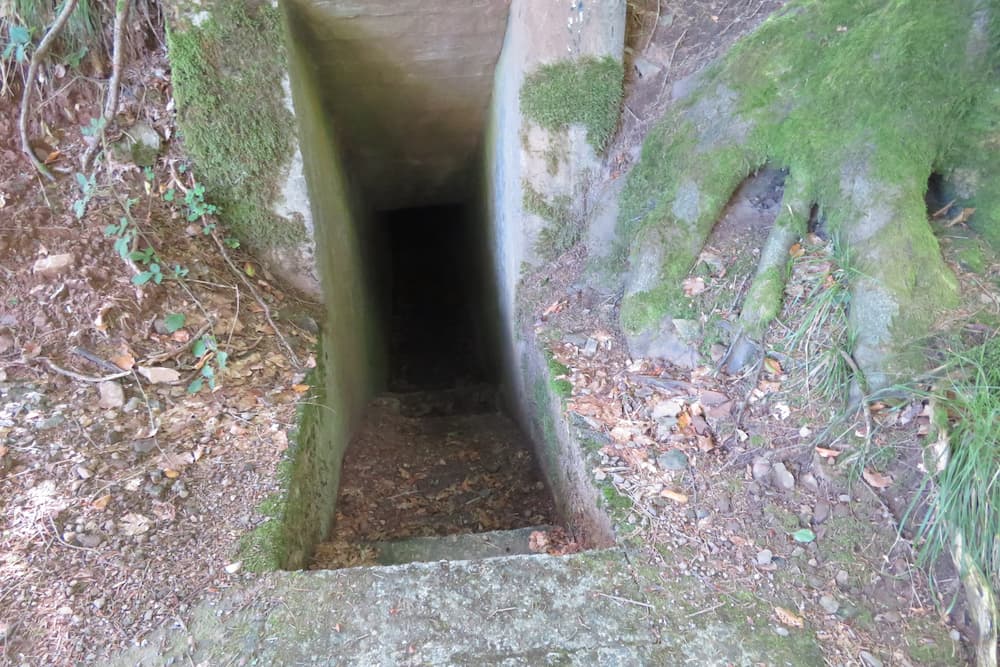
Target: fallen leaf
(804, 535)
(31, 350)
(876, 479)
(781, 411)
(170, 473)
(828, 453)
(796, 250)
(233, 568)
(538, 541)
(173, 463)
(300, 388)
(101, 503)
(788, 617)
(123, 359)
(675, 496)
(772, 365)
(693, 286)
(159, 374)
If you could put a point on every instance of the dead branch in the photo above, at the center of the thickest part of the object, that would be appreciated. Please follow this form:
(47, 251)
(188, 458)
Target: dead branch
(29, 85)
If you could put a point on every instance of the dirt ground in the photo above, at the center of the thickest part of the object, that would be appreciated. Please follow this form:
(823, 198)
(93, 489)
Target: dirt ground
(122, 500)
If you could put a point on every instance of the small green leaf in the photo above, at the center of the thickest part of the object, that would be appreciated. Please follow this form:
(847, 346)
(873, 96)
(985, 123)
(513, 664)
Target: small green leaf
(195, 385)
(221, 358)
(174, 321)
(19, 34)
(169, 194)
(804, 535)
(208, 371)
(200, 348)
(142, 278)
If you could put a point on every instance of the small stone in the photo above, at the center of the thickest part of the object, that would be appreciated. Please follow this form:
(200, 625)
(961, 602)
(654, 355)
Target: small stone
(669, 408)
(829, 604)
(764, 557)
(98, 603)
(143, 445)
(112, 395)
(83, 473)
(590, 349)
(674, 459)
(723, 503)
(808, 480)
(821, 512)
(781, 478)
(646, 68)
(869, 660)
(53, 265)
(955, 635)
(132, 405)
(761, 469)
(844, 498)
(88, 540)
(600, 475)
(842, 578)
(55, 421)
(781, 632)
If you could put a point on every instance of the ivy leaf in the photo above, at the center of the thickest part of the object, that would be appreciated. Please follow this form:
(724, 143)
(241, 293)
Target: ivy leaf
(195, 385)
(173, 322)
(200, 348)
(804, 535)
(142, 278)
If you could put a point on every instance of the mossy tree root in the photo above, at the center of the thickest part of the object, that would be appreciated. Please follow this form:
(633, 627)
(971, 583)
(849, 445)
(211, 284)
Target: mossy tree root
(862, 100)
(763, 301)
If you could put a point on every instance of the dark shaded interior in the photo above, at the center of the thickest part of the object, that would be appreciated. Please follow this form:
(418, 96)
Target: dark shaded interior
(434, 292)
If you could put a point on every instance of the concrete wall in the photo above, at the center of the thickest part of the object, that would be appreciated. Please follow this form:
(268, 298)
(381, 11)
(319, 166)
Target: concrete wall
(409, 83)
(519, 152)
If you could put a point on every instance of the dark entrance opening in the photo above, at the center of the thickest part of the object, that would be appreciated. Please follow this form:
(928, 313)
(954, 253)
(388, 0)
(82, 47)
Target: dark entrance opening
(434, 456)
(434, 337)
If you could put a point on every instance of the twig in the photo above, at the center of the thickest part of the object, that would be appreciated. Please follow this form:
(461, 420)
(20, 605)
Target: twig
(500, 611)
(706, 610)
(656, 24)
(626, 600)
(260, 301)
(29, 85)
(670, 64)
(77, 376)
(96, 360)
(121, 16)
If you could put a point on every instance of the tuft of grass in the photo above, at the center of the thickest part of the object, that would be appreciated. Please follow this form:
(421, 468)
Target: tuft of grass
(81, 33)
(586, 92)
(966, 498)
(563, 229)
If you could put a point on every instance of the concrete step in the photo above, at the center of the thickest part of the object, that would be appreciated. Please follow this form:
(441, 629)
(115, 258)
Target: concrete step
(470, 546)
(583, 609)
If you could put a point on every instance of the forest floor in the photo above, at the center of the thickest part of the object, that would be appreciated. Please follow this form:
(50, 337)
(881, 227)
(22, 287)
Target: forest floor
(124, 492)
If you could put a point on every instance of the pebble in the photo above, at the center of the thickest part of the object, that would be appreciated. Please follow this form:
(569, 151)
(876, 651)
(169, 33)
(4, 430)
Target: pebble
(955, 635)
(780, 631)
(590, 348)
(842, 578)
(83, 473)
(112, 395)
(88, 540)
(764, 557)
(821, 512)
(869, 660)
(600, 475)
(781, 478)
(674, 459)
(669, 408)
(829, 604)
(761, 469)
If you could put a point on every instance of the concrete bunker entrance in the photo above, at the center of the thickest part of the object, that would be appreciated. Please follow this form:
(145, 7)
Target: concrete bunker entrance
(396, 99)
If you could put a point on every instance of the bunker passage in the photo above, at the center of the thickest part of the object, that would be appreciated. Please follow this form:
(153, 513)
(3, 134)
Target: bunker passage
(434, 456)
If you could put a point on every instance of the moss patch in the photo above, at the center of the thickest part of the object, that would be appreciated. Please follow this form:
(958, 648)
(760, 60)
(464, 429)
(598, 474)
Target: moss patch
(563, 229)
(586, 92)
(227, 76)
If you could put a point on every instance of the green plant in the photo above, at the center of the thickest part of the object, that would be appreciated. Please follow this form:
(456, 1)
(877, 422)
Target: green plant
(966, 494)
(197, 207)
(174, 322)
(88, 188)
(19, 38)
(212, 360)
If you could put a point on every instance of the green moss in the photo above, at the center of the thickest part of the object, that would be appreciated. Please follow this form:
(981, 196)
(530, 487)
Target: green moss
(642, 311)
(586, 92)
(227, 76)
(563, 229)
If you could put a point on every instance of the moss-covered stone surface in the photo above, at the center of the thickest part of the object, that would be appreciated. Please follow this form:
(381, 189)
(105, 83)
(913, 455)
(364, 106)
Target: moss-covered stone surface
(861, 101)
(586, 92)
(228, 64)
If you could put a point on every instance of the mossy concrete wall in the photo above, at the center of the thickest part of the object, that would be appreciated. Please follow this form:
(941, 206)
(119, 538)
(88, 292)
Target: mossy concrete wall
(351, 360)
(237, 123)
(556, 93)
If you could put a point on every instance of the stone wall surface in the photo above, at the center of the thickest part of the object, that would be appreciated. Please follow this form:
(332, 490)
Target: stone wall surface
(409, 83)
